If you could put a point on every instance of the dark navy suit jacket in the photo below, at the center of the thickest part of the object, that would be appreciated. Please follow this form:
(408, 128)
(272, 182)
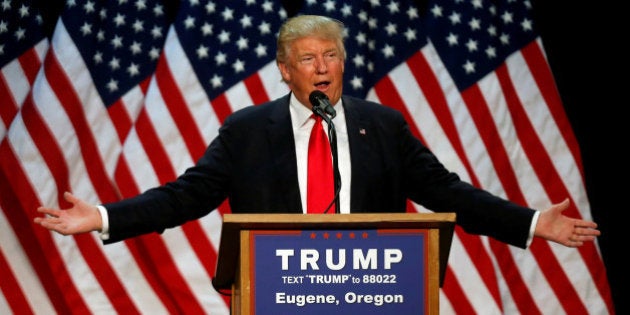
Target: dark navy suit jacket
(252, 162)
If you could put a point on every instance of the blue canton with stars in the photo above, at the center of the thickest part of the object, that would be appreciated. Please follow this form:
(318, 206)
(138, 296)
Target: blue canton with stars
(228, 41)
(474, 37)
(471, 37)
(21, 27)
(120, 41)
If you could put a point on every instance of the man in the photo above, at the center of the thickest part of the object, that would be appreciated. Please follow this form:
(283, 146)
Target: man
(258, 162)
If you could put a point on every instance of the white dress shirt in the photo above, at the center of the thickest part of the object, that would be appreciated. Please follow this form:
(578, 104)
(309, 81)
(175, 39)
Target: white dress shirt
(302, 125)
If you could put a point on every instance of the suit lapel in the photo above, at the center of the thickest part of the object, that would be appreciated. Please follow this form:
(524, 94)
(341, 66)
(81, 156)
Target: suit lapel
(359, 136)
(280, 137)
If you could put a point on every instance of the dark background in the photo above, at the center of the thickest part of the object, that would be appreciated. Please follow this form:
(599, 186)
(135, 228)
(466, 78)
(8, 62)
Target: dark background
(585, 49)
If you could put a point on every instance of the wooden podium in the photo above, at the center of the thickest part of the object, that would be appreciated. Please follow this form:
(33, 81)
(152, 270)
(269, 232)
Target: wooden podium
(238, 255)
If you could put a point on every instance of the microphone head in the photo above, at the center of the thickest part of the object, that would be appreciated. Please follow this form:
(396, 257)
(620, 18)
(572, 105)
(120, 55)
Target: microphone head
(319, 99)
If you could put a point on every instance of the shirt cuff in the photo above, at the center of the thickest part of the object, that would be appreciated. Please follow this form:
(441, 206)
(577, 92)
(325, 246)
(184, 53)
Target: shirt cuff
(104, 234)
(532, 229)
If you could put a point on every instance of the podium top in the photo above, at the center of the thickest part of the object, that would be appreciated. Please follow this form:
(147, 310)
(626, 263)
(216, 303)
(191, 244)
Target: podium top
(229, 246)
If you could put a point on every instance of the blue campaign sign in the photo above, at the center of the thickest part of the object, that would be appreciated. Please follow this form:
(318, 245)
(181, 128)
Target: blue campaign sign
(339, 272)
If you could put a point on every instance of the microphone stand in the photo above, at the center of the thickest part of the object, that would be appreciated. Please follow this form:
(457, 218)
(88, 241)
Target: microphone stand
(332, 139)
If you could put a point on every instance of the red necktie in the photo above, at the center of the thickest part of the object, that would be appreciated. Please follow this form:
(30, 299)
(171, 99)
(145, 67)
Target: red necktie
(320, 186)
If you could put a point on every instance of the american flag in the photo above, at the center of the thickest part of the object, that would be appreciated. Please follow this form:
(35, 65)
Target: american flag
(130, 92)
(23, 45)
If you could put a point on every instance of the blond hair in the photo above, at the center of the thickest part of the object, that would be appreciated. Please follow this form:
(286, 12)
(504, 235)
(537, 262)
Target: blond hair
(308, 25)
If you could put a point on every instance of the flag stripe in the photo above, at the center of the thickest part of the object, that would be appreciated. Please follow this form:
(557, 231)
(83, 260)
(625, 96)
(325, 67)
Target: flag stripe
(152, 248)
(472, 244)
(170, 278)
(552, 184)
(156, 153)
(15, 82)
(30, 63)
(150, 265)
(454, 291)
(469, 279)
(429, 85)
(386, 90)
(179, 113)
(70, 102)
(47, 144)
(123, 122)
(14, 294)
(95, 168)
(9, 107)
(201, 246)
(537, 64)
(186, 126)
(477, 107)
(221, 107)
(256, 89)
(44, 257)
(138, 246)
(553, 271)
(16, 262)
(154, 148)
(86, 244)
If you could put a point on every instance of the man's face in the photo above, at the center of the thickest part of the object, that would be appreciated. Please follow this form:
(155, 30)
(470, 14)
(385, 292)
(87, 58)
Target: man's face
(314, 64)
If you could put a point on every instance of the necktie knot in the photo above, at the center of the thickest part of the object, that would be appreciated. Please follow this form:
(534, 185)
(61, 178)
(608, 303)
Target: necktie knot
(318, 119)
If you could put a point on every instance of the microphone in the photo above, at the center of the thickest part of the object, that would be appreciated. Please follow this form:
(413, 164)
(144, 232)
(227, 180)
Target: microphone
(320, 100)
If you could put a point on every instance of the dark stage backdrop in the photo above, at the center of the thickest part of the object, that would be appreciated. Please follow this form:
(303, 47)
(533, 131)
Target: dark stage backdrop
(583, 43)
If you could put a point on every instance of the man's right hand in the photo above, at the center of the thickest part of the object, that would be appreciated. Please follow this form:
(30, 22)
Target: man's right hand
(80, 218)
